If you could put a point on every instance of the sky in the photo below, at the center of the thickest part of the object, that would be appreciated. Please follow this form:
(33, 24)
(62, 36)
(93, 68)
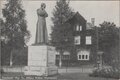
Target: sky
(100, 10)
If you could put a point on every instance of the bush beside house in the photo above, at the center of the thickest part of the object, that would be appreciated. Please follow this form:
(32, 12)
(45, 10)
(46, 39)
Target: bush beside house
(106, 73)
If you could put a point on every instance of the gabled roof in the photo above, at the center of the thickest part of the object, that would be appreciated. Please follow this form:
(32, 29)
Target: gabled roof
(77, 17)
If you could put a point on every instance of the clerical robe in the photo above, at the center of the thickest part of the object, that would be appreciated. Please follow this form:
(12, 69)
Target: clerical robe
(41, 30)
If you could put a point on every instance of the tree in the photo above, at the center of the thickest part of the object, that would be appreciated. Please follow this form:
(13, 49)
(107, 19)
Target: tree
(108, 35)
(16, 33)
(1, 26)
(61, 37)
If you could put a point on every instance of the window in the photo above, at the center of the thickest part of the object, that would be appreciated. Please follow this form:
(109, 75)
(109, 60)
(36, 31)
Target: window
(79, 56)
(82, 56)
(78, 28)
(88, 40)
(86, 56)
(77, 40)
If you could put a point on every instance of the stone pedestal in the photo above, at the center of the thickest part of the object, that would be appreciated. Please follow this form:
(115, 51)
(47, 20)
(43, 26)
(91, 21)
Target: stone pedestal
(41, 61)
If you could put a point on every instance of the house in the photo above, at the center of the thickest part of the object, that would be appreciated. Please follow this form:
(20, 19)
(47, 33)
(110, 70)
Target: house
(82, 34)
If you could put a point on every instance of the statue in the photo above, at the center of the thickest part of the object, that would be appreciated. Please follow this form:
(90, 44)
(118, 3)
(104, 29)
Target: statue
(41, 30)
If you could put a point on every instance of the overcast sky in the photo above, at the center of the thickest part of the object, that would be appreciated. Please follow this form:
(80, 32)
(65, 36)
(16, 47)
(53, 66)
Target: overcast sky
(100, 10)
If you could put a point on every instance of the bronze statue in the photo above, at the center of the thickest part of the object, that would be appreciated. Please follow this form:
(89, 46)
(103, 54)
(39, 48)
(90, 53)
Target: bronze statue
(41, 30)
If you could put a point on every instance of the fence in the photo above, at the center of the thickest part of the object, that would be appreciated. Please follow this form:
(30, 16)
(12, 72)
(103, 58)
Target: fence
(13, 68)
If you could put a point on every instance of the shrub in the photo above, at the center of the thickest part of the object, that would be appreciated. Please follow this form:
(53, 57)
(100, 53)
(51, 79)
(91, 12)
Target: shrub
(1, 71)
(106, 72)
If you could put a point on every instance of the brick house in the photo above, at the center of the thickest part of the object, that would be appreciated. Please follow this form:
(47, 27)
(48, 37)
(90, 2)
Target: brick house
(83, 35)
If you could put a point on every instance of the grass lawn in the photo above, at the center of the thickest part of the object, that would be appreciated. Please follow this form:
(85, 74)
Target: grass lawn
(62, 76)
(80, 76)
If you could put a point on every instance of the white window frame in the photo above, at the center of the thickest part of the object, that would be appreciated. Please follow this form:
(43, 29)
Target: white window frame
(86, 56)
(77, 28)
(82, 55)
(77, 40)
(79, 56)
(88, 40)
(80, 28)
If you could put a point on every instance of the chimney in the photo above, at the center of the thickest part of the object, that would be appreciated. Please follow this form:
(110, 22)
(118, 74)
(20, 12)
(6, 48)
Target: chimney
(93, 22)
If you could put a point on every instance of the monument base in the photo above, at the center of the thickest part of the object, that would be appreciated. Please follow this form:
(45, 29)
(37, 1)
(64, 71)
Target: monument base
(40, 71)
(41, 61)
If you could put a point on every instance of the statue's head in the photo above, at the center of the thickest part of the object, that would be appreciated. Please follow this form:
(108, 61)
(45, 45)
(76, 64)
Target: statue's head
(43, 6)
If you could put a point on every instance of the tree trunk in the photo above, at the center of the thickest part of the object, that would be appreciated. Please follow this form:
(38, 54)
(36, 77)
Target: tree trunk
(60, 61)
(11, 57)
(0, 56)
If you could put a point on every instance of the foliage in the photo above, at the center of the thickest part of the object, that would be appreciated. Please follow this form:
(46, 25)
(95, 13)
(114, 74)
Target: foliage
(1, 24)
(93, 57)
(108, 39)
(61, 33)
(15, 27)
(108, 35)
(20, 57)
(106, 72)
(15, 24)
(108, 42)
(1, 71)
